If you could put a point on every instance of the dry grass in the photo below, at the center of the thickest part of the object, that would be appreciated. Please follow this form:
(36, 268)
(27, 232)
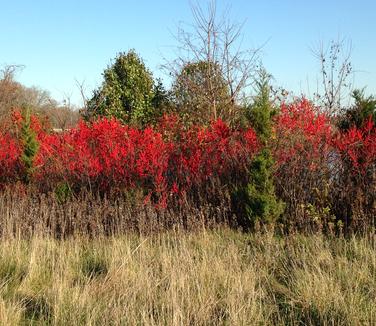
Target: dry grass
(203, 278)
(30, 213)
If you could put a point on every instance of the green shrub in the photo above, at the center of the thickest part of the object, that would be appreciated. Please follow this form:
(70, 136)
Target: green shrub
(63, 191)
(30, 144)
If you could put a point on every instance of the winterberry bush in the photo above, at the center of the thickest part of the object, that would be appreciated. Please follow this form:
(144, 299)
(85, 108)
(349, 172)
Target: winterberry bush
(326, 176)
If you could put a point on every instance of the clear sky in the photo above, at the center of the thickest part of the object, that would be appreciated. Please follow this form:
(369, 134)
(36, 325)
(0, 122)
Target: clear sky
(59, 42)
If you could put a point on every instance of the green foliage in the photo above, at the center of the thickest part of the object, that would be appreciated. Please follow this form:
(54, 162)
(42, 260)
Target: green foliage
(318, 213)
(128, 92)
(201, 93)
(30, 144)
(161, 101)
(320, 217)
(63, 191)
(360, 112)
(258, 199)
(261, 111)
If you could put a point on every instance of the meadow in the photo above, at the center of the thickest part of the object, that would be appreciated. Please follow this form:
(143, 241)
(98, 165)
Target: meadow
(206, 277)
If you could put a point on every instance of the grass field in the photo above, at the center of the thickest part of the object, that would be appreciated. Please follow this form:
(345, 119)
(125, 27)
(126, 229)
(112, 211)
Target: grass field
(204, 278)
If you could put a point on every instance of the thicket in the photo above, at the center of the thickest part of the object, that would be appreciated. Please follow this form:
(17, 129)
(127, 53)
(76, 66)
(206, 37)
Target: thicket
(325, 175)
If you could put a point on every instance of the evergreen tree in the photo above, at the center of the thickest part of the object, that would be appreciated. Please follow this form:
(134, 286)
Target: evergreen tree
(161, 100)
(30, 144)
(257, 199)
(127, 92)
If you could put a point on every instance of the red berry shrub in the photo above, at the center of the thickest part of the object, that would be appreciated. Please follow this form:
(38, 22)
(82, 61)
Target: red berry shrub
(200, 154)
(167, 161)
(10, 151)
(320, 171)
(302, 148)
(302, 132)
(104, 156)
(357, 148)
(324, 175)
(355, 184)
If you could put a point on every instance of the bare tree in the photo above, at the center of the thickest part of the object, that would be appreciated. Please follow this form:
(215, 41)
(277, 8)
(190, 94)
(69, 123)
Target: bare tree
(10, 90)
(335, 70)
(215, 44)
(8, 72)
(82, 89)
(63, 116)
(14, 95)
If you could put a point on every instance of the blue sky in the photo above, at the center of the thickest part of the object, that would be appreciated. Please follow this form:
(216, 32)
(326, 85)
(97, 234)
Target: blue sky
(59, 42)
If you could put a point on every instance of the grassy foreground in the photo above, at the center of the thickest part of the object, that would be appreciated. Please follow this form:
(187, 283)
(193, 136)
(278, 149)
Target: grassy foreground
(204, 278)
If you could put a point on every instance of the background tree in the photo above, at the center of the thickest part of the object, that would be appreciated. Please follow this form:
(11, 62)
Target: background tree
(363, 109)
(14, 95)
(191, 96)
(161, 101)
(211, 52)
(10, 90)
(63, 116)
(127, 93)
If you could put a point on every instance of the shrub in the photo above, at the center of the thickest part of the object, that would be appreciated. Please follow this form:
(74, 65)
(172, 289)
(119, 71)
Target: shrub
(10, 151)
(355, 185)
(325, 176)
(357, 115)
(167, 161)
(302, 148)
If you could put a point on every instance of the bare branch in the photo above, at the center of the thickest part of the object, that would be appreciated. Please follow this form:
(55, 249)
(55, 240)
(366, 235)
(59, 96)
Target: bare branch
(215, 46)
(335, 70)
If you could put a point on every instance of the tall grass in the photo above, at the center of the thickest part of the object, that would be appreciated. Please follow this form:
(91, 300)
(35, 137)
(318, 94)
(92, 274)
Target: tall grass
(218, 277)
(27, 214)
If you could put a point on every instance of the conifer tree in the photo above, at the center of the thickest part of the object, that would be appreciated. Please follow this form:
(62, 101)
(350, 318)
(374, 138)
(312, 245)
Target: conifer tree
(258, 199)
(128, 92)
(30, 144)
